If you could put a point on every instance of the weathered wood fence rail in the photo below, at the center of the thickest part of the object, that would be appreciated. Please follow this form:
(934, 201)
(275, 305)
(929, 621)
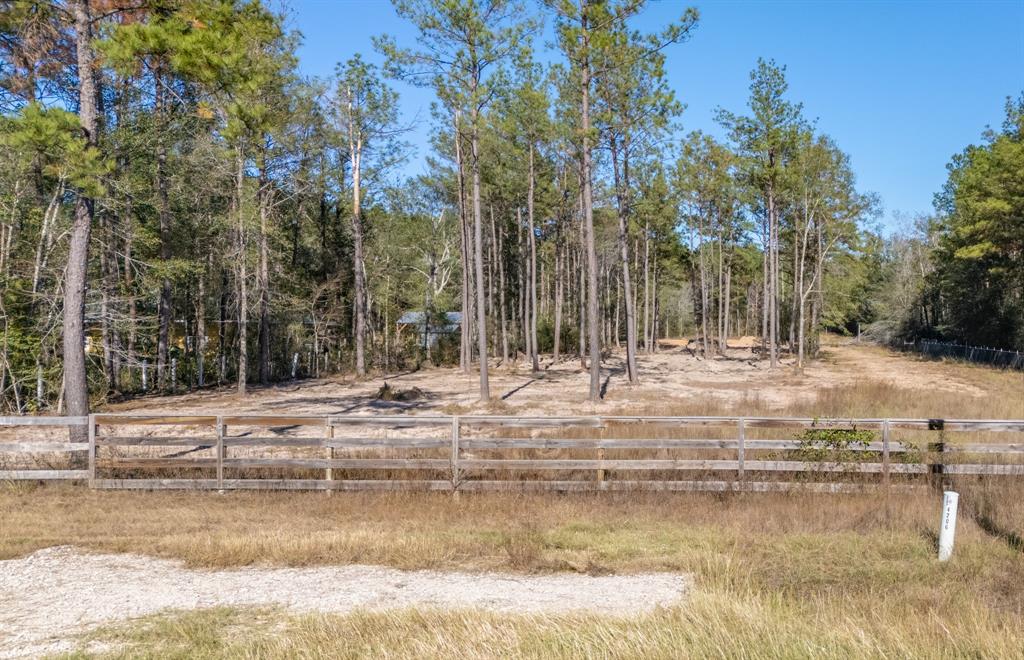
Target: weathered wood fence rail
(464, 453)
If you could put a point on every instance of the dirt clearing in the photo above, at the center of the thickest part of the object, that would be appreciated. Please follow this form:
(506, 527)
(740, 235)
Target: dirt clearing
(54, 594)
(672, 381)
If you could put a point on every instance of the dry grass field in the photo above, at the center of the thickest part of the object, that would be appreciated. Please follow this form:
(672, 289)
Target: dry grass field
(774, 575)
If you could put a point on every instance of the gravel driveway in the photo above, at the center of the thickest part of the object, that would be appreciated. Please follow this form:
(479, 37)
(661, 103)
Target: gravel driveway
(52, 595)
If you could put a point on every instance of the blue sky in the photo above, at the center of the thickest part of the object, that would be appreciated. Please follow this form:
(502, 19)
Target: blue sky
(901, 86)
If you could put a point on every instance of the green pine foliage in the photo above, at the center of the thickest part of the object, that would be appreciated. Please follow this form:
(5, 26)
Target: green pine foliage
(222, 237)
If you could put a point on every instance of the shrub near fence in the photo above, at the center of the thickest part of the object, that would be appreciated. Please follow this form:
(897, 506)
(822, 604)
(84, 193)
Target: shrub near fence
(352, 452)
(997, 357)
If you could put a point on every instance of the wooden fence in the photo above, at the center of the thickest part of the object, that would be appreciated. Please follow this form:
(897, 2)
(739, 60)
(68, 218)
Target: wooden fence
(467, 453)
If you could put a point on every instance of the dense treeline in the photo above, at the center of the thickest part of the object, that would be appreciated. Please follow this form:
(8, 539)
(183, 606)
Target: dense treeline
(180, 207)
(959, 275)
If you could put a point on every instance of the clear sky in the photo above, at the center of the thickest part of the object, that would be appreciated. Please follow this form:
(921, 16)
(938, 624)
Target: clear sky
(901, 86)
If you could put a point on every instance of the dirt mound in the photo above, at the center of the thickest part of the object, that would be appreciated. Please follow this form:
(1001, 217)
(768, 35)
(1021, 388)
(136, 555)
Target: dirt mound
(388, 393)
(746, 341)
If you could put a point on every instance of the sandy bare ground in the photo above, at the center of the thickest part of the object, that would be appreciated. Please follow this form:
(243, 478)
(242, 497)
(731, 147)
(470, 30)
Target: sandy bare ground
(52, 595)
(673, 377)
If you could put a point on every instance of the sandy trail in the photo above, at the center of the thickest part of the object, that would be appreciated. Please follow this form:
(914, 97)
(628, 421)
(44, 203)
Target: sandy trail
(52, 595)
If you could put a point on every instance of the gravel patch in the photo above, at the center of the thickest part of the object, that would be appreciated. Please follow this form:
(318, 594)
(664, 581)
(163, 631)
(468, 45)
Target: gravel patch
(53, 595)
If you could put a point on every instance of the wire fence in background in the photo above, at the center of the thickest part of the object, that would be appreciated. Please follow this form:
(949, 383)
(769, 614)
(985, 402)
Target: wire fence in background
(997, 357)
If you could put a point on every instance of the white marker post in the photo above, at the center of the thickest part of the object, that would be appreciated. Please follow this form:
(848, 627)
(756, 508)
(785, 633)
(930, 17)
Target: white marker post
(947, 526)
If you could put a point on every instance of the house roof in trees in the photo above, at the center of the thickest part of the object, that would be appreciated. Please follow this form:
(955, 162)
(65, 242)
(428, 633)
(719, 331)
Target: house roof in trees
(454, 319)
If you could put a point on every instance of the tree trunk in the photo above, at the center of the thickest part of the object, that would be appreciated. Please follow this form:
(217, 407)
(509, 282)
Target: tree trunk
(720, 310)
(800, 299)
(76, 386)
(45, 238)
(200, 306)
(428, 309)
(581, 296)
(799, 295)
(776, 291)
(164, 220)
(264, 196)
(793, 311)
(647, 281)
(819, 276)
(618, 307)
(593, 309)
(243, 290)
(704, 302)
(464, 331)
(489, 274)
(773, 281)
(622, 197)
(535, 360)
(765, 259)
(726, 303)
(502, 311)
(544, 296)
(108, 285)
(478, 257)
(557, 339)
(129, 284)
(222, 329)
(524, 277)
(656, 310)
(355, 157)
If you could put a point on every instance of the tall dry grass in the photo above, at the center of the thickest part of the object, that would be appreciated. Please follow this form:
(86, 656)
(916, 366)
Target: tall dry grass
(624, 532)
(774, 575)
(798, 541)
(710, 625)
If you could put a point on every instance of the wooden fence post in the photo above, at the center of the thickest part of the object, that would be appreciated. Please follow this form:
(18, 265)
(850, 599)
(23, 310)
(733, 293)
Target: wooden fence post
(741, 450)
(885, 454)
(455, 454)
(220, 453)
(92, 450)
(329, 472)
(938, 466)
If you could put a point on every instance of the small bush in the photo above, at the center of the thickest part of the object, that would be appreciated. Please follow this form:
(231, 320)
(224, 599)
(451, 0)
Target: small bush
(546, 336)
(834, 444)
